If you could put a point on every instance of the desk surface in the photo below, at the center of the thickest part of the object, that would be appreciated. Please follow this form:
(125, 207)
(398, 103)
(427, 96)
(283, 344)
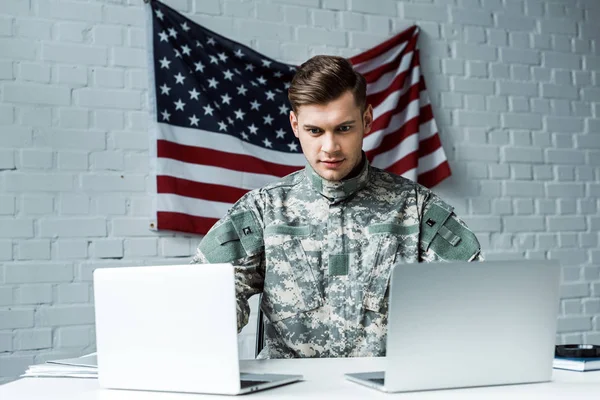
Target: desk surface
(323, 379)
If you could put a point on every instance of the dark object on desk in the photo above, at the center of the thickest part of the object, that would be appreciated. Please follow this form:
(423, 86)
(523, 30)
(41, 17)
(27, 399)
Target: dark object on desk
(577, 351)
(577, 357)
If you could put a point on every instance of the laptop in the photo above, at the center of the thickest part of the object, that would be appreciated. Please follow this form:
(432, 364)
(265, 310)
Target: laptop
(457, 325)
(171, 328)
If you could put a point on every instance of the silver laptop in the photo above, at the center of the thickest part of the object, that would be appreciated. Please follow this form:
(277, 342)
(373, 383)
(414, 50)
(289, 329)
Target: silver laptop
(171, 328)
(455, 325)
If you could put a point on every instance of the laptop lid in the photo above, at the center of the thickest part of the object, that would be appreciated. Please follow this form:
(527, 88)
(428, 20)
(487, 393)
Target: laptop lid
(471, 324)
(167, 328)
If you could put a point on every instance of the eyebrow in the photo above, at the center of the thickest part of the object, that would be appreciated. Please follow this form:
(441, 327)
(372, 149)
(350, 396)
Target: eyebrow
(308, 126)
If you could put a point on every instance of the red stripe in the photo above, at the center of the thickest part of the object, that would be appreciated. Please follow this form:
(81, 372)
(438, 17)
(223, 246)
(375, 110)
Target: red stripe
(433, 177)
(385, 46)
(173, 221)
(376, 73)
(199, 190)
(216, 158)
(384, 119)
(429, 145)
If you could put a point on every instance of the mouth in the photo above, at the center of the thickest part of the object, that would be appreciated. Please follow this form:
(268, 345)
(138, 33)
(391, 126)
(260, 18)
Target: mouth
(332, 164)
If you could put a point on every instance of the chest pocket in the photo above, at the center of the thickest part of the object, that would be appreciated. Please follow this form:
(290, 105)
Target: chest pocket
(290, 286)
(386, 239)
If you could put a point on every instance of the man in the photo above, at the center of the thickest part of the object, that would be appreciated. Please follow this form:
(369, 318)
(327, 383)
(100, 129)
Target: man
(320, 243)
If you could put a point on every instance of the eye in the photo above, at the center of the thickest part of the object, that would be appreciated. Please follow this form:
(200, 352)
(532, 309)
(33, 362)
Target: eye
(314, 131)
(345, 128)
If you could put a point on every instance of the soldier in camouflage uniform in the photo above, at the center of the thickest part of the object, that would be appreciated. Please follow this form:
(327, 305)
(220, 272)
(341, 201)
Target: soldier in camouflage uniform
(320, 243)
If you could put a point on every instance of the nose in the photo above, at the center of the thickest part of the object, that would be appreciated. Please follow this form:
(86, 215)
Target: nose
(329, 144)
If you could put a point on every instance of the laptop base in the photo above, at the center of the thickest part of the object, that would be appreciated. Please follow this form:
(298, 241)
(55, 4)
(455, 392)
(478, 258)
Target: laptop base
(255, 382)
(373, 380)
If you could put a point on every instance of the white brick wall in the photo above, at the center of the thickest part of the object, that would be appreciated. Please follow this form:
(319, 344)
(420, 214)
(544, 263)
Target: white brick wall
(514, 85)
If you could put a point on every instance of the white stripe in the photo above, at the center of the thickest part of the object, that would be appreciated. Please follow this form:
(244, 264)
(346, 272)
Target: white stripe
(382, 59)
(366, 66)
(411, 174)
(391, 101)
(213, 175)
(187, 205)
(431, 161)
(398, 120)
(386, 79)
(227, 143)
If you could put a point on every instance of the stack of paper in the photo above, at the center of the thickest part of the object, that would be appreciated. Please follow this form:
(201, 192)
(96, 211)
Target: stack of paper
(82, 367)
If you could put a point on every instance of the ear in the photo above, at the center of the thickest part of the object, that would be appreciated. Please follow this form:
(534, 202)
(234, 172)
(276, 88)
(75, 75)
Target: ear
(294, 123)
(368, 119)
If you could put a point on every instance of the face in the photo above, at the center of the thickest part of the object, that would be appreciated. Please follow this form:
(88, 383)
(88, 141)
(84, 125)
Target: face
(331, 135)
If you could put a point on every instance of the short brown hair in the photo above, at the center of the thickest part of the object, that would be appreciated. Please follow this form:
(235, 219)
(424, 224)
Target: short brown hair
(322, 79)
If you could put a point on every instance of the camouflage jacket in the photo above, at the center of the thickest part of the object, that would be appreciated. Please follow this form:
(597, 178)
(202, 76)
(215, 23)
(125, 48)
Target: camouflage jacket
(321, 253)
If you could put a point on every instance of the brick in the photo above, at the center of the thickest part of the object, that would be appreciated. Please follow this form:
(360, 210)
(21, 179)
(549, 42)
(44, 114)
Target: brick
(16, 228)
(478, 153)
(107, 248)
(128, 57)
(7, 205)
(75, 54)
(33, 250)
(111, 205)
(573, 157)
(137, 162)
(140, 247)
(562, 124)
(424, 12)
(375, 24)
(274, 13)
(36, 94)
(6, 115)
(547, 241)
(384, 7)
(482, 86)
(16, 318)
(38, 182)
(517, 88)
(40, 117)
(515, 23)
(65, 315)
(99, 98)
(33, 339)
(74, 75)
(118, 183)
(475, 52)
(34, 72)
(559, 92)
(522, 121)
(40, 205)
(72, 160)
(518, 56)
(72, 227)
(520, 72)
(522, 172)
(522, 154)
(568, 190)
(524, 223)
(6, 342)
(562, 77)
(38, 273)
(7, 159)
(571, 324)
(73, 118)
(519, 104)
(73, 204)
(588, 141)
(107, 160)
(69, 10)
(138, 79)
(77, 32)
(107, 35)
(483, 224)
(73, 336)
(472, 17)
(18, 49)
(109, 120)
(37, 159)
(270, 30)
(568, 256)
(558, 26)
(175, 247)
(567, 206)
(6, 296)
(565, 173)
(591, 94)
(483, 119)
(311, 35)
(124, 15)
(524, 189)
(131, 227)
(563, 61)
(109, 77)
(71, 249)
(73, 292)
(560, 224)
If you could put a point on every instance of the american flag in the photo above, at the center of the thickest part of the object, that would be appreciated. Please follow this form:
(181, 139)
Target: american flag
(223, 127)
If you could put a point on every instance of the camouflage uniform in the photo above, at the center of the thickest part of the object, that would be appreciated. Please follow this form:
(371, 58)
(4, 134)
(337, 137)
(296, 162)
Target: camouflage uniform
(321, 253)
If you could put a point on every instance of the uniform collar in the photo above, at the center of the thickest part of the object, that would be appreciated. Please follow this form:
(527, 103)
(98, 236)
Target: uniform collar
(339, 190)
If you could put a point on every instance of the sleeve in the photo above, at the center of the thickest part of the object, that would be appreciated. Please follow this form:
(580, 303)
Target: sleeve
(444, 236)
(238, 239)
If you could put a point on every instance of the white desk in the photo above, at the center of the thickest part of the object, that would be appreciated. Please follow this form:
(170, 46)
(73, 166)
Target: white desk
(323, 379)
